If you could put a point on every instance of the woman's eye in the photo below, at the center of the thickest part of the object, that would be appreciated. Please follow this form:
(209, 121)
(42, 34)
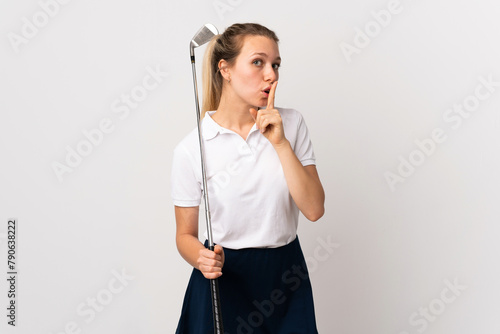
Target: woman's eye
(259, 62)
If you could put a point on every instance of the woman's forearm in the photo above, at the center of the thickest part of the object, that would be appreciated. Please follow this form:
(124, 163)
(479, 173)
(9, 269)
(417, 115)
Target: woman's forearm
(189, 247)
(305, 187)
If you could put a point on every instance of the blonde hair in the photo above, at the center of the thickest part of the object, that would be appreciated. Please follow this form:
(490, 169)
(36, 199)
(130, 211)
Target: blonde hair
(225, 46)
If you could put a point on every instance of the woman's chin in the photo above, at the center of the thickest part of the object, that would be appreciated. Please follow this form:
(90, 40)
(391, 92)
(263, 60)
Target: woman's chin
(262, 103)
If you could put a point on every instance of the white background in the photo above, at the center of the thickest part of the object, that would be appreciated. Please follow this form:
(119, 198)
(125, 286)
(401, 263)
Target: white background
(396, 247)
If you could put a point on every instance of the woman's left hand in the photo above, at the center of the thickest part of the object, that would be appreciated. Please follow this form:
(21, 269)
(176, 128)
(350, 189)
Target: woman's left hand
(269, 120)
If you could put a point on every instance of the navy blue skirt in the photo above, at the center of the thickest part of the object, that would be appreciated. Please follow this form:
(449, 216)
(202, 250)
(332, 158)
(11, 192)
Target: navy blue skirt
(262, 290)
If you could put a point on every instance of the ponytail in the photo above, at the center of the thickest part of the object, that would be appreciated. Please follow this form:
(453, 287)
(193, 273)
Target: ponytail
(212, 80)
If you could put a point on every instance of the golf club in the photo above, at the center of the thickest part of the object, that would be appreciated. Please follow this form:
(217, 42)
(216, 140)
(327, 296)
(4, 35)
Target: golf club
(203, 36)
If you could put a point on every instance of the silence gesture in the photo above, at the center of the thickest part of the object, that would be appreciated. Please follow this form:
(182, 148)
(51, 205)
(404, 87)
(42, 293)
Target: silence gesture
(269, 120)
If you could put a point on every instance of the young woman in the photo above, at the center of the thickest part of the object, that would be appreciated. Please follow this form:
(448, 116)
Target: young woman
(261, 171)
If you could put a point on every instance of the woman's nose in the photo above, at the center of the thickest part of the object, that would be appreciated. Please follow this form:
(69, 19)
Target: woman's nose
(271, 74)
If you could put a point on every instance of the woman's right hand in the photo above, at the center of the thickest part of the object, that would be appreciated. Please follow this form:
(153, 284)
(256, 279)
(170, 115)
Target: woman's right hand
(210, 263)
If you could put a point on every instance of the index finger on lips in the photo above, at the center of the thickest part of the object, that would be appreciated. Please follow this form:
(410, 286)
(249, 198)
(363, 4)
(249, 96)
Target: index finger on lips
(270, 98)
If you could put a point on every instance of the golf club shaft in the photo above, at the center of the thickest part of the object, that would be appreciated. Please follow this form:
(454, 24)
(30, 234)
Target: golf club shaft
(214, 285)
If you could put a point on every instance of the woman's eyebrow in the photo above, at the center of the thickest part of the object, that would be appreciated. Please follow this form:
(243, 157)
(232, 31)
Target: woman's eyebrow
(263, 54)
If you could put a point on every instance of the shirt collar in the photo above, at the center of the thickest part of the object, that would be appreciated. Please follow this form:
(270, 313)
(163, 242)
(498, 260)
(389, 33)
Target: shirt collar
(211, 128)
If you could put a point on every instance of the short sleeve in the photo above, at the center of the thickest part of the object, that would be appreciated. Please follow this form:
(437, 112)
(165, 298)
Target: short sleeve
(303, 146)
(186, 190)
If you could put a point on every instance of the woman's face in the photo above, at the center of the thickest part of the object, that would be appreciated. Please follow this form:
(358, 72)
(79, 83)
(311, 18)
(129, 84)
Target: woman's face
(255, 69)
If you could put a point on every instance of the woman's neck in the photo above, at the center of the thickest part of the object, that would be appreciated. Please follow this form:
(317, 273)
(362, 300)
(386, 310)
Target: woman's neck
(233, 113)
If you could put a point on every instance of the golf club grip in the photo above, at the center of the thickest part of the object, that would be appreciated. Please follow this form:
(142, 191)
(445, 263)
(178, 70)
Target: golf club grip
(216, 309)
(218, 327)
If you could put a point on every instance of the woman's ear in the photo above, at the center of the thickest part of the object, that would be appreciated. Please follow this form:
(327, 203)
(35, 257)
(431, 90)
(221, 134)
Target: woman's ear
(223, 69)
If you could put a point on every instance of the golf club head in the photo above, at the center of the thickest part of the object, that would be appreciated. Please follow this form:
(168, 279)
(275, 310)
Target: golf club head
(203, 36)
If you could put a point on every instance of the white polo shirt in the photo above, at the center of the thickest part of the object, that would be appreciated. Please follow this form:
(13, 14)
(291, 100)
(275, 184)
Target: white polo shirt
(250, 204)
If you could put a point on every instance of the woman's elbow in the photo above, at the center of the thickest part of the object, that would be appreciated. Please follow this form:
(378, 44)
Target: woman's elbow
(316, 214)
